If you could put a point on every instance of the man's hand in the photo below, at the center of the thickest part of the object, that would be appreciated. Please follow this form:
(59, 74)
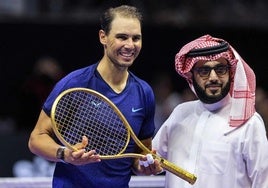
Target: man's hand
(80, 156)
(147, 165)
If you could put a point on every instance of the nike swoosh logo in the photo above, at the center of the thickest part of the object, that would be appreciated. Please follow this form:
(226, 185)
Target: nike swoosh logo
(136, 109)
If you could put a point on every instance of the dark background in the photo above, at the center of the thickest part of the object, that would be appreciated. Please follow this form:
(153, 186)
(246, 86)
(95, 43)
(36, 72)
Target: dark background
(75, 45)
(68, 31)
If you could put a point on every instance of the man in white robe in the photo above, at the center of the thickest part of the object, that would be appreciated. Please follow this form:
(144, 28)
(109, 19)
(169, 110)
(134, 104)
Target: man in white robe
(220, 137)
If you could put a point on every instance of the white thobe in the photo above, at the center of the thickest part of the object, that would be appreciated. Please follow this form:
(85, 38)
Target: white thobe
(199, 139)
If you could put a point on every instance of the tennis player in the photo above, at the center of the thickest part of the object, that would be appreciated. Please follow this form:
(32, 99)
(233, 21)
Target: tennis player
(121, 37)
(220, 137)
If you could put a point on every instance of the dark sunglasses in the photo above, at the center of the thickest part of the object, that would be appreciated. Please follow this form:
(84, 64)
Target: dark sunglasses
(205, 71)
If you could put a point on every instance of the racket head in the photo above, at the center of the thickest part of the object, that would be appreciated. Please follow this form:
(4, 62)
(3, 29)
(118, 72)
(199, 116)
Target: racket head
(78, 112)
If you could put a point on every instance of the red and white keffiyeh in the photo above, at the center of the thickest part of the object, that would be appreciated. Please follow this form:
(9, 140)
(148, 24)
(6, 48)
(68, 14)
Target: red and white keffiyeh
(243, 81)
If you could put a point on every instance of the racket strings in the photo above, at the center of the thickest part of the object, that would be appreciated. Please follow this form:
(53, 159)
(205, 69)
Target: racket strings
(83, 114)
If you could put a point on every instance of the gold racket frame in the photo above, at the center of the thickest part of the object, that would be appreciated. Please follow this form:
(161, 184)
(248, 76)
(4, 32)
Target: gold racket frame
(187, 176)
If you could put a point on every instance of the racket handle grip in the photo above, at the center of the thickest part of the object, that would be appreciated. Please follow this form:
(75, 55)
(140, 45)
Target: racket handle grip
(185, 175)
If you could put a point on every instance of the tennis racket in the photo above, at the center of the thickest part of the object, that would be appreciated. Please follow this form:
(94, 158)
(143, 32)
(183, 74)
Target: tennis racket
(78, 112)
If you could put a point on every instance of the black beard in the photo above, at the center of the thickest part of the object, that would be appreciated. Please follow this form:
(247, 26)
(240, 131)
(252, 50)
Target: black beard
(201, 94)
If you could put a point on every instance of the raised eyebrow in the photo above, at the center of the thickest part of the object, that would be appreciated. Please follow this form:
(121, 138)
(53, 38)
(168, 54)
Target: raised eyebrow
(217, 65)
(221, 65)
(121, 35)
(126, 35)
(205, 67)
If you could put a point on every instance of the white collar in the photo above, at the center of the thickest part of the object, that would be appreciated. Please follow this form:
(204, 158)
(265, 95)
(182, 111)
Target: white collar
(219, 104)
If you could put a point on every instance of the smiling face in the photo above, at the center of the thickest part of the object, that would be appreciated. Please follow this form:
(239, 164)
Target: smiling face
(211, 80)
(123, 43)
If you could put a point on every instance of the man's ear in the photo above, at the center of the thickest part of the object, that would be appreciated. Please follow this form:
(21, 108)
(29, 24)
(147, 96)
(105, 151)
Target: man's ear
(189, 75)
(102, 37)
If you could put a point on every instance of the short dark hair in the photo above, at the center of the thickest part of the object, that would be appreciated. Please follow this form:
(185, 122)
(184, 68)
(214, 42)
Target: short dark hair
(123, 10)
